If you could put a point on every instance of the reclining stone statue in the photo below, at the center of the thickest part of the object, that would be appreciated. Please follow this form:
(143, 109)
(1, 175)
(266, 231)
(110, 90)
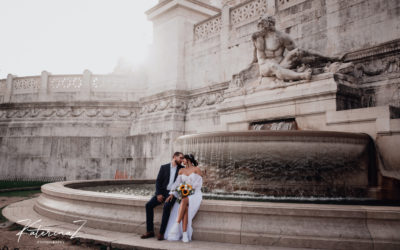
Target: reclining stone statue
(276, 57)
(269, 53)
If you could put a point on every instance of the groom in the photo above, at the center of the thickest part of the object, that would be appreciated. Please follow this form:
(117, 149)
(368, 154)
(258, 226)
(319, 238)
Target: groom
(166, 177)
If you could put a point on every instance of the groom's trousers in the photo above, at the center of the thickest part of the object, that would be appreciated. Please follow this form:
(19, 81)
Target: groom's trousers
(150, 205)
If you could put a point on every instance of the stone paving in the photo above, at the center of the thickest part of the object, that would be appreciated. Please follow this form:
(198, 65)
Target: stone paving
(23, 210)
(9, 239)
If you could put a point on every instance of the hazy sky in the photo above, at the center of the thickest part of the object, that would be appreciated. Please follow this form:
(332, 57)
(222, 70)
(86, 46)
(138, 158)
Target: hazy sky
(68, 36)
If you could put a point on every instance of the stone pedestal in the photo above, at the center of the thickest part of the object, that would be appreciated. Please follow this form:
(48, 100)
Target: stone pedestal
(272, 99)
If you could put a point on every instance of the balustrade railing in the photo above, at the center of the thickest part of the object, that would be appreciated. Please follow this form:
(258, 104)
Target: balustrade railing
(242, 14)
(65, 83)
(208, 28)
(248, 11)
(84, 86)
(24, 85)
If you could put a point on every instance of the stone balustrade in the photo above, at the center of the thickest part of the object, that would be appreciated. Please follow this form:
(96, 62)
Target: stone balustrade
(77, 87)
(248, 11)
(239, 15)
(208, 28)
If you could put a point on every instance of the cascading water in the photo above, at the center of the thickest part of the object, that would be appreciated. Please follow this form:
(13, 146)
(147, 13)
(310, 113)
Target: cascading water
(283, 163)
(287, 124)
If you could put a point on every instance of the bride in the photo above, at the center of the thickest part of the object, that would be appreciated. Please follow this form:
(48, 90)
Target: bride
(180, 221)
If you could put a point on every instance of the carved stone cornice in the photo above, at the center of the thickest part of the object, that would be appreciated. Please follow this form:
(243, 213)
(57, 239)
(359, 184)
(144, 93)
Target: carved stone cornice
(181, 100)
(164, 95)
(207, 96)
(379, 50)
(77, 110)
(172, 100)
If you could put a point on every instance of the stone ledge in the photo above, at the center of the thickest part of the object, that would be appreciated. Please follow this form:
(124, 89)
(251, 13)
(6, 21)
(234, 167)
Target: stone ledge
(24, 210)
(260, 223)
(322, 86)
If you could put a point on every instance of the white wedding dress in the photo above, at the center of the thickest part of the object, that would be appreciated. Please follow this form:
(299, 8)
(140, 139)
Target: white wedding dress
(194, 203)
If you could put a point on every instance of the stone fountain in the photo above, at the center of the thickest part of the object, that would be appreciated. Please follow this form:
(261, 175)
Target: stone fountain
(285, 163)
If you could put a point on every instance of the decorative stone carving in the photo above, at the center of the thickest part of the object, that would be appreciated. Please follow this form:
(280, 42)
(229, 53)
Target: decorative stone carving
(68, 112)
(206, 100)
(21, 113)
(208, 28)
(77, 112)
(29, 84)
(376, 67)
(248, 11)
(65, 83)
(164, 105)
(63, 112)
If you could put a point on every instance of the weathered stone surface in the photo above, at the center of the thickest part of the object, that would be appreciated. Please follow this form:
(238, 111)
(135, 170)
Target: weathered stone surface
(277, 224)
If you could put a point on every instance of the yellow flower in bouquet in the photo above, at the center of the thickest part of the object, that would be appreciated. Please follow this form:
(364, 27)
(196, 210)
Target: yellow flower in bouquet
(184, 190)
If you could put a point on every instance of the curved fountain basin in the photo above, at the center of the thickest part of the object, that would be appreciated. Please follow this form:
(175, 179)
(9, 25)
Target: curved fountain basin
(285, 163)
(260, 223)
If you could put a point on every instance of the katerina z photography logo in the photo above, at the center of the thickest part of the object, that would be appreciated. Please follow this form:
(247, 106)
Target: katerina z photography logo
(35, 229)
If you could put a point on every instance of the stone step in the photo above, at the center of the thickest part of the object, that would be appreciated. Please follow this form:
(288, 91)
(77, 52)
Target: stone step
(23, 210)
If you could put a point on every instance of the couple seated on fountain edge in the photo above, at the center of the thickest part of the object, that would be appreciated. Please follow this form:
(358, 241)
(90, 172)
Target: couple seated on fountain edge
(176, 222)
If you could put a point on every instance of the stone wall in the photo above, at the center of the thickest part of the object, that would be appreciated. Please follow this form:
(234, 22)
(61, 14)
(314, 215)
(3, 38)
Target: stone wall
(222, 44)
(78, 157)
(78, 140)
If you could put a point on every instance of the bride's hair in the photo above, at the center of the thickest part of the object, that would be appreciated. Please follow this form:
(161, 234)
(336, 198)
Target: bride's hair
(191, 158)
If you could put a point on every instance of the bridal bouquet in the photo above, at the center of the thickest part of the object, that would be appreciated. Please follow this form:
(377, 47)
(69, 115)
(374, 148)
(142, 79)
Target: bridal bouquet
(184, 190)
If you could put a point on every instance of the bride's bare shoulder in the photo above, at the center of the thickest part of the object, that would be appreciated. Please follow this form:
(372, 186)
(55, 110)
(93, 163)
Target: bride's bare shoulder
(198, 171)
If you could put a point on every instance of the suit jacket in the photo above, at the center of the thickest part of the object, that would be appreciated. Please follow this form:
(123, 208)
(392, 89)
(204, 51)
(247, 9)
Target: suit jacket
(163, 178)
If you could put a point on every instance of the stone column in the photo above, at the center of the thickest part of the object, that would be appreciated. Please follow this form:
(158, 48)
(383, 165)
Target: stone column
(224, 41)
(43, 96)
(8, 94)
(86, 89)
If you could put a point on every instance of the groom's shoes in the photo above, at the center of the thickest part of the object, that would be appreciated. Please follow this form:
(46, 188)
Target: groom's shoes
(160, 237)
(147, 235)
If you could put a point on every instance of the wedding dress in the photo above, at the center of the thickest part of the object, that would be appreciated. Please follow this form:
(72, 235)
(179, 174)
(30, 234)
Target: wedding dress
(194, 203)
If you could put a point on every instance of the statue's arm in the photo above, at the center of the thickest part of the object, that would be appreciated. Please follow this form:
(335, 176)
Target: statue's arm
(254, 38)
(288, 42)
(255, 59)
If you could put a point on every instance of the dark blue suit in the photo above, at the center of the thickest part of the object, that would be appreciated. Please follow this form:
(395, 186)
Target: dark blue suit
(161, 188)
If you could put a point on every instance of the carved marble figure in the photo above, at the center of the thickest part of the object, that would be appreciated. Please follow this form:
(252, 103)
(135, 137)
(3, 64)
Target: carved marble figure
(269, 53)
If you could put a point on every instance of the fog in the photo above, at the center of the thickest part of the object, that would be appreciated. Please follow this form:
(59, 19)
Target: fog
(69, 36)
